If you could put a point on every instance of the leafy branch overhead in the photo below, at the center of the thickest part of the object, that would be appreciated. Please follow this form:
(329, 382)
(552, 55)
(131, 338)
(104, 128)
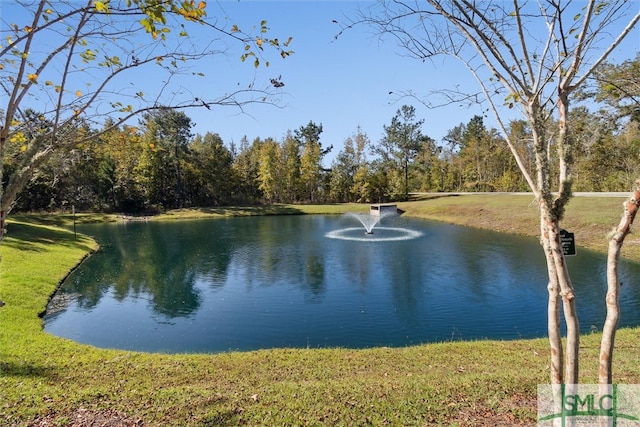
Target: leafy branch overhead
(260, 41)
(76, 63)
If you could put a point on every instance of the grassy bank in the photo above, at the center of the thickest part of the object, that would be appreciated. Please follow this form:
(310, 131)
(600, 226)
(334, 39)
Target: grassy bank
(53, 380)
(590, 218)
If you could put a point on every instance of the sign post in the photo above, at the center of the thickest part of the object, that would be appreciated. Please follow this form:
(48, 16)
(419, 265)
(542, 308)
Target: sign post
(568, 242)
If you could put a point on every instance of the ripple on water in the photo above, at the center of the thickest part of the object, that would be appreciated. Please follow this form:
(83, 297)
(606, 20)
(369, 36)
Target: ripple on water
(380, 234)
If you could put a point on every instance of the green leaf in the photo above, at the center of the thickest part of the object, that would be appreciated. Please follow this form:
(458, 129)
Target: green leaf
(601, 6)
(146, 24)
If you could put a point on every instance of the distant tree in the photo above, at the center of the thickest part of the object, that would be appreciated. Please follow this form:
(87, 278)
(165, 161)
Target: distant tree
(291, 169)
(270, 170)
(124, 146)
(166, 136)
(246, 167)
(211, 179)
(348, 167)
(375, 185)
(427, 167)
(401, 144)
(311, 170)
(171, 131)
(488, 165)
(607, 134)
(617, 87)
(107, 180)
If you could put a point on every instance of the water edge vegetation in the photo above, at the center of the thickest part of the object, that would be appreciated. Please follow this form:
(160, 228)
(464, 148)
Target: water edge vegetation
(451, 383)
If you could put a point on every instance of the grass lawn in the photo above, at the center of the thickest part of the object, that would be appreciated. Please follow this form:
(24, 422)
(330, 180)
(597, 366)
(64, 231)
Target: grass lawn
(45, 380)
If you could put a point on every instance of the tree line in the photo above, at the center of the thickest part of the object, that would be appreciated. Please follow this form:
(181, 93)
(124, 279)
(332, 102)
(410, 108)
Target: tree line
(160, 164)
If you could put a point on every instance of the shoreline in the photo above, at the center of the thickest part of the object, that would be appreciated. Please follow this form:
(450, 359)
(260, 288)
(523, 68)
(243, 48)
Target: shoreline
(49, 379)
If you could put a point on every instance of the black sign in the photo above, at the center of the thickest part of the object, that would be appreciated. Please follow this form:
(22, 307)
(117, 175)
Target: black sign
(568, 242)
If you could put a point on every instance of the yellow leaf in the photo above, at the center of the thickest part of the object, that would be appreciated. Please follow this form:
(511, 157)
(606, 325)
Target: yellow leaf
(202, 5)
(33, 78)
(78, 93)
(259, 42)
(27, 29)
(18, 138)
(101, 6)
(152, 145)
(23, 148)
(48, 11)
(49, 83)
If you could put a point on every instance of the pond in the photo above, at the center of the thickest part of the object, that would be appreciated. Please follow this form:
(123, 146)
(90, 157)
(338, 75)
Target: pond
(315, 281)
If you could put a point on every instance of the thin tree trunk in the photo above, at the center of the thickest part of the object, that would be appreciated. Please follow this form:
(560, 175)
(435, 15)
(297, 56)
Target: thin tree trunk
(605, 375)
(553, 321)
(565, 160)
(559, 285)
(569, 310)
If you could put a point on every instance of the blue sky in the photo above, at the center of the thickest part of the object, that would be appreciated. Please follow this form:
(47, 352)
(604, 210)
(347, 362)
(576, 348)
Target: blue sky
(341, 84)
(345, 83)
(354, 81)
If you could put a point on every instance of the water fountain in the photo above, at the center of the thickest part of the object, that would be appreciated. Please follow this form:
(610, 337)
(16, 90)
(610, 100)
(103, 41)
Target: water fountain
(369, 222)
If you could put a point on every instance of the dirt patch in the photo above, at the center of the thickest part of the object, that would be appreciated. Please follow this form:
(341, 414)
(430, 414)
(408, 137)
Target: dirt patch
(85, 418)
(480, 416)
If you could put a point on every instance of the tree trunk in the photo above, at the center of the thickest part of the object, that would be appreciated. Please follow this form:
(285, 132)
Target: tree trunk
(605, 375)
(553, 322)
(559, 285)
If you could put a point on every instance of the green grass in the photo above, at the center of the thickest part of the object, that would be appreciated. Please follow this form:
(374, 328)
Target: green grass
(590, 218)
(449, 383)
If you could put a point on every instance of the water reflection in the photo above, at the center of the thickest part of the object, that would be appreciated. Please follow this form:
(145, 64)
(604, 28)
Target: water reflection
(247, 283)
